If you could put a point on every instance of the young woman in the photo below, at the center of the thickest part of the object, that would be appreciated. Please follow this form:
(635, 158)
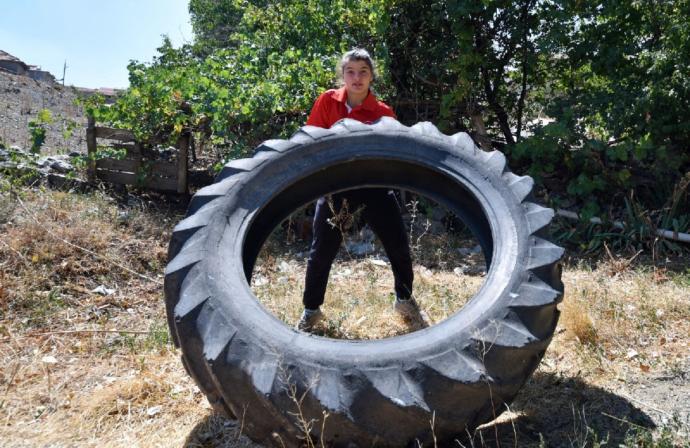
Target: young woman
(355, 100)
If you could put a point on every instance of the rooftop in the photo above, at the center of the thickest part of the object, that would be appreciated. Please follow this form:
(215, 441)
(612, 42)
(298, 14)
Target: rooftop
(5, 56)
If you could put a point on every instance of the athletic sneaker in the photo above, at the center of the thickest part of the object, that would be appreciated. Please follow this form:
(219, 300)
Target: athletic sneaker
(309, 320)
(409, 310)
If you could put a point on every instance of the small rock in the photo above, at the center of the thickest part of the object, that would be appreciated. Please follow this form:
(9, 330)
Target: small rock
(425, 272)
(55, 163)
(102, 290)
(466, 251)
(475, 270)
(378, 262)
(284, 266)
(366, 235)
(61, 166)
(63, 182)
(152, 411)
(260, 280)
(49, 359)
(360, 249)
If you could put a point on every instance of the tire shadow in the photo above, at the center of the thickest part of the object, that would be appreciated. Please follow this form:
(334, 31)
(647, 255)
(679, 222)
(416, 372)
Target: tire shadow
(216, 431)
(555, 411)
(549, 411)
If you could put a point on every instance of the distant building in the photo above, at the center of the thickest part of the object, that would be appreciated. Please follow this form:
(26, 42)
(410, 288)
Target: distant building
(109, 94)
(16, 66)
(36, 73)
(13, 64)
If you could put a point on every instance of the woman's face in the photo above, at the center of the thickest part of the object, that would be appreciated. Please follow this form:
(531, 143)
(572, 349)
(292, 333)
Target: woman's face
(357, 76)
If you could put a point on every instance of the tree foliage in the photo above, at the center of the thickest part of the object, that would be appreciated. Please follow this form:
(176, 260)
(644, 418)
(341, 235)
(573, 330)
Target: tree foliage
(591, 97)
(618, 85)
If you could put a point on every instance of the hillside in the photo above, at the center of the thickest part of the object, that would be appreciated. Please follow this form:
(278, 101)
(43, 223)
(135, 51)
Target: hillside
(22, 98)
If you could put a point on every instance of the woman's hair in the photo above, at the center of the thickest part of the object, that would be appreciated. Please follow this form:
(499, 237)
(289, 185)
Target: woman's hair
(357, 54)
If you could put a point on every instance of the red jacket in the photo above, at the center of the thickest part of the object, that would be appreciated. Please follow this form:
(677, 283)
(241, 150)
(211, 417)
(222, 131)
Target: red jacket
(330, 107)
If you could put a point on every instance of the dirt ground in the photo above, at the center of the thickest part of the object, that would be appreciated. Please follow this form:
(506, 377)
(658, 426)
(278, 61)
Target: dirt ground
(86, 359)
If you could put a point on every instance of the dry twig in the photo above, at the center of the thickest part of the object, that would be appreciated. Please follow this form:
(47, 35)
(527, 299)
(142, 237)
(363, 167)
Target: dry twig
(64, 332)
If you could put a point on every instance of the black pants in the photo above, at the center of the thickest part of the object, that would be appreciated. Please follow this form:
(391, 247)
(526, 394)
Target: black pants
(382, 213)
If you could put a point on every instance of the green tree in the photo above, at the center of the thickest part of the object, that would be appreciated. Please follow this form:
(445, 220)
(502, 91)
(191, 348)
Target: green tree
(254, 80)
(618, 84)
(466, 64)
(589, 97)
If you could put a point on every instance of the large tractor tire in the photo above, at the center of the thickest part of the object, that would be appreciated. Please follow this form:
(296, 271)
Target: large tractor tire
(436, 383)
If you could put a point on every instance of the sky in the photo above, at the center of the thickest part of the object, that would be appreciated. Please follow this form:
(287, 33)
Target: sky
(97, 38)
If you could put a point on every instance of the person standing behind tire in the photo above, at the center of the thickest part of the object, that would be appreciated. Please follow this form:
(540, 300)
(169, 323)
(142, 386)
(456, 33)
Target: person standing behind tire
(381, 211)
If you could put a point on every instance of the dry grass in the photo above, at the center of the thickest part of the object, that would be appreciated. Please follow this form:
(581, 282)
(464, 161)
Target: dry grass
(359, 298)
(637, 318)
(79, 368)
(621, 347)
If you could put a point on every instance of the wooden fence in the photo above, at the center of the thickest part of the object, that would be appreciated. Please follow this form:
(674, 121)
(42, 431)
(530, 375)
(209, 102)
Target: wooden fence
(136, 163)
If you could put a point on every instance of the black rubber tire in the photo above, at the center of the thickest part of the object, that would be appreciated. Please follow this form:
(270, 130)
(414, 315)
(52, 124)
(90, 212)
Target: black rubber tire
(458, 373)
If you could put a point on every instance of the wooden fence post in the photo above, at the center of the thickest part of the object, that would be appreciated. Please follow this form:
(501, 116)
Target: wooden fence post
(182, 152)
(91, 148)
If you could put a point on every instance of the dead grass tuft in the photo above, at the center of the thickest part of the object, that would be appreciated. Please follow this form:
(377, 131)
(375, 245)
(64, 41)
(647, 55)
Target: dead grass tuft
(577, 322)
(135, 396)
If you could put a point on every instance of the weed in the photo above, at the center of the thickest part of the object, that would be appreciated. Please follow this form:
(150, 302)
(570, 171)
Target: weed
(8, 203)
(37, 129)
(682, 279)
(583, 436)
(671, 434)
(22, 171)
(158, 337)
(633, 228)
(68, 127)
(297, 397)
